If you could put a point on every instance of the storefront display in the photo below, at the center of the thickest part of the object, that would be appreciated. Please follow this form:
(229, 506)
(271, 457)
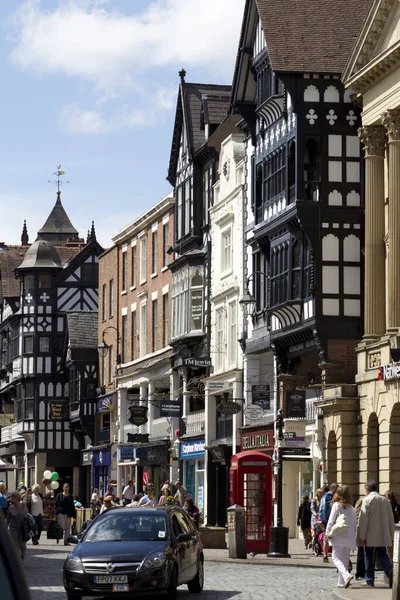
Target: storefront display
(192, 453)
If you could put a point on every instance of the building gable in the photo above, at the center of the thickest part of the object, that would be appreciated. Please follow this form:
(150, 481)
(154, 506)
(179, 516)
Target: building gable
(377, 50)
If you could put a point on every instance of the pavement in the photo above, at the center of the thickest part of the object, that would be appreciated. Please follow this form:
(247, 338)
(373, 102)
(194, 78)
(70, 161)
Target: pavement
(259, 577)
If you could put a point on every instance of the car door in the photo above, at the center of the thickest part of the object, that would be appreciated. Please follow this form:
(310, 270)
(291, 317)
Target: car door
(182, 548)
(191, 545)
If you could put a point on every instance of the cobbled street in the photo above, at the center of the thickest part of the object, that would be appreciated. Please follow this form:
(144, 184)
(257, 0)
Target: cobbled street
(223, 581)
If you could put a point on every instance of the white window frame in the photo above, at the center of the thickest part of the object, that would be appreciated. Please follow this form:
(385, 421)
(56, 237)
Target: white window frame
(226, 250)
(220, 325)
(143, 330)
(232, 352)
(143, 260)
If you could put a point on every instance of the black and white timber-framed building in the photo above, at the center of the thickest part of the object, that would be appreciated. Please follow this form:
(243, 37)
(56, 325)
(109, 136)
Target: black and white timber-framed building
(303, 211)
(40, 284)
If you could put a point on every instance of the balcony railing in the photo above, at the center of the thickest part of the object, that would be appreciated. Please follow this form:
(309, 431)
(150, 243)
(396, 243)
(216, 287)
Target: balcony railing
(195, 422)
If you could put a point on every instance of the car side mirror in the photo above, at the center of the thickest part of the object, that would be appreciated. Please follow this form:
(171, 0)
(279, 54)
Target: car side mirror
(74, 539)
(184, 537)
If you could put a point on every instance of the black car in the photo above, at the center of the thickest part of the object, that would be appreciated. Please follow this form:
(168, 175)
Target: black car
(132, 551)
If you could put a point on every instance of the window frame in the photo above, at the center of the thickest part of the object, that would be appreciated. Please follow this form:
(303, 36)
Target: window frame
(143, 260)
(111, 298)
(124, 273)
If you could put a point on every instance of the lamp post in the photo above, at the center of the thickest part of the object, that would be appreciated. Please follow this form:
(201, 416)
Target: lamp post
(279, 535)
(103, 347)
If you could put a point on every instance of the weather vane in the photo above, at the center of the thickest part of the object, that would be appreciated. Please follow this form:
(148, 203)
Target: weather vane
(59, 174)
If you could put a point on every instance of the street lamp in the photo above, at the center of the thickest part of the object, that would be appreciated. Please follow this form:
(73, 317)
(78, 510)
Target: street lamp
(103, 347)
(248, 302)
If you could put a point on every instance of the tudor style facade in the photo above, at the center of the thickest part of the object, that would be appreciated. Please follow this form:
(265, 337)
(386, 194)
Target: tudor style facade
(192, 173)
(57, 273)
(303, 216)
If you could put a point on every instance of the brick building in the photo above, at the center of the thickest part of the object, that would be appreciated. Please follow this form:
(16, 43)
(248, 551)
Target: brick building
(134, 328)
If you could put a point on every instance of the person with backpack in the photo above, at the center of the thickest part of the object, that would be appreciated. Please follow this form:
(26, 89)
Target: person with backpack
(304, 520)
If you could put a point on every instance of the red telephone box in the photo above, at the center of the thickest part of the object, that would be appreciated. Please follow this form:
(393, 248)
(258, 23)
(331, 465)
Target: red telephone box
(251, 487)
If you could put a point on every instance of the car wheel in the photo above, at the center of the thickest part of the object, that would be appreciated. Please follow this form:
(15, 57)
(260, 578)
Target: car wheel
(173, 584)
(196, 585)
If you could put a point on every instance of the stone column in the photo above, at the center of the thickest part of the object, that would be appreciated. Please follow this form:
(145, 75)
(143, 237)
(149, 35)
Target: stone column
(373, 140)
(391, 120)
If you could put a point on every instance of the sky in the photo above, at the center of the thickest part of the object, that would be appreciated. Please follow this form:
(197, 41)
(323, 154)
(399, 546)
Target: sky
(91, 85)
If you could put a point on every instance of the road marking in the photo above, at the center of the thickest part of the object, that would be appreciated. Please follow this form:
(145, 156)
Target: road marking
(47, 588)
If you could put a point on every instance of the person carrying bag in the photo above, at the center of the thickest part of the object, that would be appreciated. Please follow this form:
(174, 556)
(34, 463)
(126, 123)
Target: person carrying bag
(341, 528)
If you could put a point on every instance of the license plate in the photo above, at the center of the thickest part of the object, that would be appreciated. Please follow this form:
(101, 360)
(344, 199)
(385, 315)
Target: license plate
(118, 587)
(111, 579)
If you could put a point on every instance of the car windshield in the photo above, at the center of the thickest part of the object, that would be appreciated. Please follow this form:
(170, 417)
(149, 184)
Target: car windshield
(120, 526)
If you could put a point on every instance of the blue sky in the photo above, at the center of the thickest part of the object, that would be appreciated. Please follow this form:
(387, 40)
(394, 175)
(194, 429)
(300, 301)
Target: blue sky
(91, 85)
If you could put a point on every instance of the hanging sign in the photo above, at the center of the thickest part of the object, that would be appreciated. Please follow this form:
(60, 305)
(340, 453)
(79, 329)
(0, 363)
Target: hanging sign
(138, 438)
(253, 412)
(229, 407)
(295, 404)
(138, 415)
(260, 395)
(171, 408)
(196, 362)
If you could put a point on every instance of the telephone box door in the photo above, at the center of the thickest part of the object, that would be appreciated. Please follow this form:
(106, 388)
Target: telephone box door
(251, 487)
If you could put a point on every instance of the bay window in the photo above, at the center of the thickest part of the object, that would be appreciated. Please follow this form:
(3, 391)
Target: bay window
(187, 301)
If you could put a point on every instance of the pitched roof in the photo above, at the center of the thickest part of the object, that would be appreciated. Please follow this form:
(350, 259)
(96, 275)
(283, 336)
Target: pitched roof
(58, 226)
(214, 98)
(197, 104)
(11, 258)
(311, 35)
(82, 328)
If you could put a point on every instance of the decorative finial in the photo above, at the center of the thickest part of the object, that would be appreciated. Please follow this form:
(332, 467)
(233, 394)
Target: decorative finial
(24, 236)
(92, 233)
(88, 236)
(182, 74)
(59, 174)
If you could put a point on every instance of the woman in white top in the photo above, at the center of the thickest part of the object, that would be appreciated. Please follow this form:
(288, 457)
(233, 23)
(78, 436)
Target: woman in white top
(344, 542)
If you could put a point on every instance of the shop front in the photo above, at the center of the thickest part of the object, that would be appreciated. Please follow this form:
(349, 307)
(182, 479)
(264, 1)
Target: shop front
(101, 470)
(192, 455)
(153, 465)
(128, 468)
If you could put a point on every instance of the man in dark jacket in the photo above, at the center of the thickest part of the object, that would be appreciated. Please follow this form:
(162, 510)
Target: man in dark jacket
(304, 520)
(65, 511)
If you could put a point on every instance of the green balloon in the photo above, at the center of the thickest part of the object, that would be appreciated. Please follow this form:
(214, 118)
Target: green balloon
(54, 476)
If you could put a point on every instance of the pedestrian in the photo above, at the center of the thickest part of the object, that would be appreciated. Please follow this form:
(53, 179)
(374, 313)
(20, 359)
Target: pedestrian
(181, 492)
(345, 540)
(165, 492)
(376, 532)
(148, 499)
(304, 520)
(360, 567)
(95, 502)
(16, 514)
(112, 484)
(107, 503)
(135, 501)
(65, 511)
(315, 502)
(4, 497)
(21, 487)
(35, 506)
(128, 493)
(324, 512)
(391, 496)
(192, 511)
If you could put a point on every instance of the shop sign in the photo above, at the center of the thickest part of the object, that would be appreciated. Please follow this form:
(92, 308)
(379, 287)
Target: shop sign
(391, 371)
(258, 440)
(261, 395)
(192, 449)
(288, 452)
(229, 407)
(152, 455)
(171, 408)
(104, 404)
(197, 309)
(298, 428)
(87, 458)
(6, 419)
(126, 453)
(294, 443)
(217, 386)
(295, 404)
(196, 362)
(253, 412)
(138, 415)
(217, 454)
(58, 411)
(138, 438)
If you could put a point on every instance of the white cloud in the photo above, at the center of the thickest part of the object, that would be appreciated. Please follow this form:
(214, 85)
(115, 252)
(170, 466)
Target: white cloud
(92, 41)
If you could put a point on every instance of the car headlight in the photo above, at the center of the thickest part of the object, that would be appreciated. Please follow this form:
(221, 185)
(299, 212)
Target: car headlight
(153, 561)
(74, 564)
